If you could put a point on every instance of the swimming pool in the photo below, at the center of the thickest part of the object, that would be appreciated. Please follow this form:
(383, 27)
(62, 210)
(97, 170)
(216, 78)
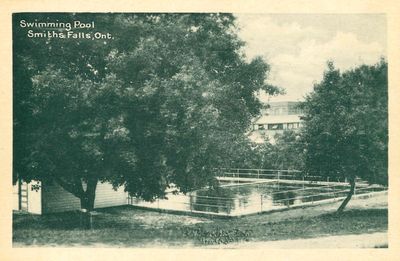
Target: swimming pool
(235, 198)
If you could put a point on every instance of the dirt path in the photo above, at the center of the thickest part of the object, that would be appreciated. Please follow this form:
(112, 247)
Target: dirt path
(348, 241)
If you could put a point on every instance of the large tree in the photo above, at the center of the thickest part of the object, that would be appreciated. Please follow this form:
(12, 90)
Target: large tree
(346, 127)
(165, 101)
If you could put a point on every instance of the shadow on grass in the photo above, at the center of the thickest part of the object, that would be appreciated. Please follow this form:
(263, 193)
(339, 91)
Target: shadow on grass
(119, 226)
(118, 217)
(108, 218)
(356, 213)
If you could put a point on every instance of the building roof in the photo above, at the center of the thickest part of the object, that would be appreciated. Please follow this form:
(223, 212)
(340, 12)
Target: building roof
(273, 119)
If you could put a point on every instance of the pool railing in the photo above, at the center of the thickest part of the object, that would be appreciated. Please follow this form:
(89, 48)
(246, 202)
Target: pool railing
(222, 206)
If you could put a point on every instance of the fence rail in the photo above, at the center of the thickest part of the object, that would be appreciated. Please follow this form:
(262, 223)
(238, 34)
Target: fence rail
(228, 206)
(310, 188)
(275, 174)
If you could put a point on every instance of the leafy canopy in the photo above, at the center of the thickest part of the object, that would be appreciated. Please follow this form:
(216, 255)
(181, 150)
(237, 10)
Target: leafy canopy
(166, 101)
(345, 125)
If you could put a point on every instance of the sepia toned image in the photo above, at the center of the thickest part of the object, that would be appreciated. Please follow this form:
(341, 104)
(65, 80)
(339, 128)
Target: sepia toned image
(200, 130)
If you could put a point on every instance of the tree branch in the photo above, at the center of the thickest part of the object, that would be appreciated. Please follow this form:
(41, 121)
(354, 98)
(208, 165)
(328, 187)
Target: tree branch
(74, 189)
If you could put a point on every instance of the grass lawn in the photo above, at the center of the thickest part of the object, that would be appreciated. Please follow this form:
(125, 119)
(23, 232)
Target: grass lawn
(129, 227)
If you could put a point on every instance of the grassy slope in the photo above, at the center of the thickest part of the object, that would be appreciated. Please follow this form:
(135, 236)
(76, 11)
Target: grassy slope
(126, 226)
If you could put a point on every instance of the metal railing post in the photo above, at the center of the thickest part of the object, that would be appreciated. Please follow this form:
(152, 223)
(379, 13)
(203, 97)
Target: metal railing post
(27, 197)
(333, 188)
(191, 202)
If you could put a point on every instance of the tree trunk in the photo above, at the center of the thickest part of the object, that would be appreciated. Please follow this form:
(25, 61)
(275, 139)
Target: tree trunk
(88, 197)
(75, 187)
(349, 195)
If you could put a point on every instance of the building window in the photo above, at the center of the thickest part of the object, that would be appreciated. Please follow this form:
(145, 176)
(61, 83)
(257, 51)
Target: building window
(294, 110)
(294, 125)
(278, 126)
(260, 126)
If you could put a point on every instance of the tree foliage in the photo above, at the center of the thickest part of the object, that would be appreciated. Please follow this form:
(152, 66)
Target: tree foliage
(287, 153)
(345, 124)
(165, 101)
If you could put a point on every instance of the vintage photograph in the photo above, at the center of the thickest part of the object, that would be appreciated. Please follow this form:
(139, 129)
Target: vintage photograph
(200, 130)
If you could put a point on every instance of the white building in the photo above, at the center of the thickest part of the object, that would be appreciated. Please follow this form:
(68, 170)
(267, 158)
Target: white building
(38, 198)
(279, 117)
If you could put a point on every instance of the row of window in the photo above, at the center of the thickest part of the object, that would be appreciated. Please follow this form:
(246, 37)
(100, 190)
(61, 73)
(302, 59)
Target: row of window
(277, 126)
(285, 111)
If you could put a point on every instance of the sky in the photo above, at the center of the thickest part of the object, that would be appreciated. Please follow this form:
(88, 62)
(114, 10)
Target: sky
(298, 46)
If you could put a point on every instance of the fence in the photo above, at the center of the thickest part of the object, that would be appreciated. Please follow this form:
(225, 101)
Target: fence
(275, 174)
(283, 195)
